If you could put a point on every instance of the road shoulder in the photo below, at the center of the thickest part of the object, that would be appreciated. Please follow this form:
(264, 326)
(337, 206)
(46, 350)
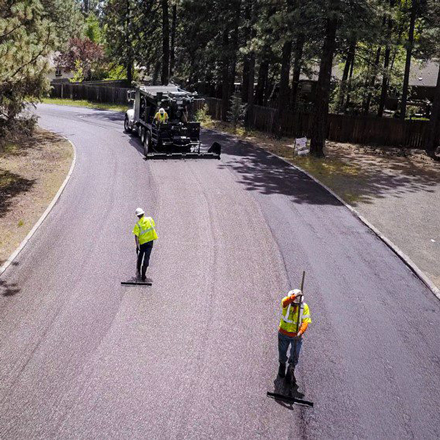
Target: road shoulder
(31, 174)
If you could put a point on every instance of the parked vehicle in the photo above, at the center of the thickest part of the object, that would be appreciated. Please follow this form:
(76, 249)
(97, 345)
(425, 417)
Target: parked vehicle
(179, 136)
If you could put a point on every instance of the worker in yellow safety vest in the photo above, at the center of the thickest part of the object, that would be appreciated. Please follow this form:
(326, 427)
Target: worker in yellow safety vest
(295, 318)
(144, 234)
(161, 117)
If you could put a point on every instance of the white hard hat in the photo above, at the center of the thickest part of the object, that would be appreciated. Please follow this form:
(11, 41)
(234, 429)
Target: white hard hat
(298, 299)
(161, 110)
(139, 211)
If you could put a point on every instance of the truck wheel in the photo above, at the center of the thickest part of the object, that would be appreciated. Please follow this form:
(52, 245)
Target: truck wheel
(127, 128)
(147, 142)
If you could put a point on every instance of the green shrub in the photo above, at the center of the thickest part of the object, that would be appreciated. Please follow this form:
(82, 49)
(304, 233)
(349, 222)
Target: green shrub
(202, 115)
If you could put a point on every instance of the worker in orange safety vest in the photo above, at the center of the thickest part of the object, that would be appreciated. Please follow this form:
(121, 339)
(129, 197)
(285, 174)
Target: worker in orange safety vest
(295, 318)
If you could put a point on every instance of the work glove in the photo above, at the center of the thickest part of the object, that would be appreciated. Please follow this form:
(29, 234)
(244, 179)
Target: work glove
(294, 297)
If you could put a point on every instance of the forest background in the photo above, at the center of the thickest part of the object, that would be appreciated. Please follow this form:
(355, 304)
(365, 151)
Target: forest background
(250, 52)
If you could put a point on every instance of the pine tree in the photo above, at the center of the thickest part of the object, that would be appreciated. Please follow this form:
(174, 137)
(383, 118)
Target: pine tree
(26, 38)
(237, 111)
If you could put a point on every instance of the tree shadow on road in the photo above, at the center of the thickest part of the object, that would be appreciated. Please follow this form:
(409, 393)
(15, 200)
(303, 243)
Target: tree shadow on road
(8, 289)
(267, 174)
(358, 182)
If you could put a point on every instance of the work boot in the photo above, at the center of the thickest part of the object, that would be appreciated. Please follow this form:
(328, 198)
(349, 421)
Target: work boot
(291, 375)
(138, 274)
(282, 370)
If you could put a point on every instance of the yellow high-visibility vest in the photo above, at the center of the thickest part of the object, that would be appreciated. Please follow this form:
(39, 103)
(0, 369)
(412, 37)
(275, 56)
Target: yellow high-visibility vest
(145, 230)
(161, 117)
(289, 317)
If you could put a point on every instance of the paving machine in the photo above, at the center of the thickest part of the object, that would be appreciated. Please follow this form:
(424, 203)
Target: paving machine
(179, 137)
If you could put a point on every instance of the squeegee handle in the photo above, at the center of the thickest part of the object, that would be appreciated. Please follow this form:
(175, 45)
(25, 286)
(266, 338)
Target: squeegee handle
(299, 306)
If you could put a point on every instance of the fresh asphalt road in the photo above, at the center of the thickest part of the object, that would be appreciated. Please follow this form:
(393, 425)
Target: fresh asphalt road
(83, 357)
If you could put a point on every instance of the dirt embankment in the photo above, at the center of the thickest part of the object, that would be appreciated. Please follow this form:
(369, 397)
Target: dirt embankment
(31, 172)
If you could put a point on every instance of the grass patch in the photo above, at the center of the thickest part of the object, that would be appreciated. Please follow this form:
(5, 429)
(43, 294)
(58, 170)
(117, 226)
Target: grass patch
(9, 148)
(84, 103)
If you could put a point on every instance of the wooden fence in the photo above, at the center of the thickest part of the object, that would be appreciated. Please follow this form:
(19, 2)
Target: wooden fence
(95, 93)
(357, 129)
(341, 128)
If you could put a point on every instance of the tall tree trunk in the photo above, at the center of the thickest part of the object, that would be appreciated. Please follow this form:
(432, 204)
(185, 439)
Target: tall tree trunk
(229, 52)
(156, 72)
(251, 75)
(297, 65)
(165, 43)
(225, 74)
(350, 76)
(372, 81)
(386, 64)
(129, 70)
(245, 78)
(246, 58)
(323, 87)
(343, 85)
(234, 46)
(173, 39)
(251, 94)
(409, 49)
(385, 81)
(283, 95)
(128, 43)
(263, 73)
(433, 139)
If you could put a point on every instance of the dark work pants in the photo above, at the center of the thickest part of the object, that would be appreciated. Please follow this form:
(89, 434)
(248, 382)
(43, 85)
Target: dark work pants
(295, 347)
(144, 254)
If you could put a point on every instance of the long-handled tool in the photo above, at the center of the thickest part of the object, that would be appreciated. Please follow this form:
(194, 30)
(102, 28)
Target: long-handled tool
(298, 320)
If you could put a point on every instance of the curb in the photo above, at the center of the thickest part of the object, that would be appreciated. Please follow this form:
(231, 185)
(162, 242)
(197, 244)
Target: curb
(434, 289)
(45, 214)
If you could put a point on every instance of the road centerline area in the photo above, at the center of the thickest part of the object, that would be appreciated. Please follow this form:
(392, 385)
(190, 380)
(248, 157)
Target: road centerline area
(194, 355)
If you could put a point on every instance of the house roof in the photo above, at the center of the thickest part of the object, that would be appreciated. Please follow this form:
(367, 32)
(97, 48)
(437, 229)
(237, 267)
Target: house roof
(422, 74)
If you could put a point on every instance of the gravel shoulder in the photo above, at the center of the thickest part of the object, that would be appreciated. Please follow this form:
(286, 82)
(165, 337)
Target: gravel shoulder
(398, 191)
(31, 172)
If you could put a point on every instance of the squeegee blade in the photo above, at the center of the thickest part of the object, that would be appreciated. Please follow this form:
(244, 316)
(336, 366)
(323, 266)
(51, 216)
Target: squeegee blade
(289, 399)
(136, 283)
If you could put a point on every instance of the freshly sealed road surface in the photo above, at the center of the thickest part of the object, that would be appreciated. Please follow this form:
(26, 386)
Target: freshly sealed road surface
(82, 357)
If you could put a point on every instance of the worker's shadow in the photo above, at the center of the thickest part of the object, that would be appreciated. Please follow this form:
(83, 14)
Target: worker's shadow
(286, 389)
